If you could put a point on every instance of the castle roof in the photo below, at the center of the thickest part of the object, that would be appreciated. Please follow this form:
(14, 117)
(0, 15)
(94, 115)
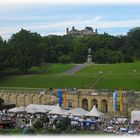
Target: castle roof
(88, 28)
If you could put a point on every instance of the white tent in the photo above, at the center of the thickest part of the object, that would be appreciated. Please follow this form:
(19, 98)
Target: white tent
(58, 111)
(34, 108)
(94, 113)
(77, 112)
(16, 110)
(135, 115)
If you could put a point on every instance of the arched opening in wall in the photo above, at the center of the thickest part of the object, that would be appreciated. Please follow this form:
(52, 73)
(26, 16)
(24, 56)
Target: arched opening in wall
(35, 99)
(12, 99)
(104, 106)
(43, 100)
(5, 98)
(94, 102)
(85, 104)
(20, 100)
(27, 100)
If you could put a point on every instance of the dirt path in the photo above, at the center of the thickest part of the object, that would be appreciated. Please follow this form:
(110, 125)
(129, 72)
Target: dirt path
(75, 69)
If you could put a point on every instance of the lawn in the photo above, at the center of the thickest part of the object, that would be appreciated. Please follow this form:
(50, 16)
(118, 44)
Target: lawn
(48, 81)
(115, 76)
(50, 68)
(43, 132)
(108, 76)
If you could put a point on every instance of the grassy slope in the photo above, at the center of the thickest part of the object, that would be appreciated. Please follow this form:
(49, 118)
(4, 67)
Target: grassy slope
(114, 76)
(51, 81)
(51, 68)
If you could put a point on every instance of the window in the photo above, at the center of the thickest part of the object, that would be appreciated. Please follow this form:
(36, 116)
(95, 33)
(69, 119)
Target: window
(118, 107)
(70, 104)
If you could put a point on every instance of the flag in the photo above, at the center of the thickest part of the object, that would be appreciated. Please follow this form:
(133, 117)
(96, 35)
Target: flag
(115, 95)
(60, 97)
(121, 100)
(65, 99)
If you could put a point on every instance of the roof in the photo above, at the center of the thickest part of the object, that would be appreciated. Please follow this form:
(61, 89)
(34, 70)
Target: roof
(78, 112)
(58, 111)
(94, 112)
(89, 28)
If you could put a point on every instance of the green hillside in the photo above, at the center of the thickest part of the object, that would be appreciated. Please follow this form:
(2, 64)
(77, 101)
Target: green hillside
(108, 76)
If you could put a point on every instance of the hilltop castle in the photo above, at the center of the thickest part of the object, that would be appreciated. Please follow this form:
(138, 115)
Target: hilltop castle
(86, 31)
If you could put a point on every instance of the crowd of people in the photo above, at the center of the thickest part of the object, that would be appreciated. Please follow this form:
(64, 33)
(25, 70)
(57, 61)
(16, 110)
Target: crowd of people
(122, 126)
(25, 121)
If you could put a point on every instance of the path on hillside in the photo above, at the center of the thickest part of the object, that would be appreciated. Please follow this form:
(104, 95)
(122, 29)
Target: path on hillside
(76, 69)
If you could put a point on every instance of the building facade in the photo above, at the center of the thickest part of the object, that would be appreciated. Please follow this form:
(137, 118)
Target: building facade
(83, 98)
(86, 31)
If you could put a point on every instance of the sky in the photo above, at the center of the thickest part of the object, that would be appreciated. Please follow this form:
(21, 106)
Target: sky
(54, 16)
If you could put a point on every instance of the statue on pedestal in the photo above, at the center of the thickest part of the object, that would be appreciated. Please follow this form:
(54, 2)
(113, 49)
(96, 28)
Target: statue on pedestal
(89, 57)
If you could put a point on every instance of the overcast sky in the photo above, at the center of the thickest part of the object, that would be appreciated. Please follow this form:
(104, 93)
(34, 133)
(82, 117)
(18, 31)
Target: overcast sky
(53, 17)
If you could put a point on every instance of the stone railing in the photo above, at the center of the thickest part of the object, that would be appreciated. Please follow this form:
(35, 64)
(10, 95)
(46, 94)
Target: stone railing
(22, 90)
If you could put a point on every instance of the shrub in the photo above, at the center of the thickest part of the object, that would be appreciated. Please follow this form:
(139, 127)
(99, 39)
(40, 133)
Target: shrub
(38, 124)
(128, 59)
(64, 59)
(45, 119)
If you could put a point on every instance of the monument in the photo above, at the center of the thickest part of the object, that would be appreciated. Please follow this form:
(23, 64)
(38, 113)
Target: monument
(89, 57)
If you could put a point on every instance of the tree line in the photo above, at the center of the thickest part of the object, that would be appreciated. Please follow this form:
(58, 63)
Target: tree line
(26, 49)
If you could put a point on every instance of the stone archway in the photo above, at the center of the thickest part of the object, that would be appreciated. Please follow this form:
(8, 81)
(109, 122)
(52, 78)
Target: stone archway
(5, 98)
(11, 99)
(42, 99)
(85, 104)
(35, 99)
(20, 100)
(27, 100)
(104, 106)
(94, 102)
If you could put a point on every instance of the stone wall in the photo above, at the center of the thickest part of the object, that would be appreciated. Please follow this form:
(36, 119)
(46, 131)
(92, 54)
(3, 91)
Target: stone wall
(24, 97)
(83, 98)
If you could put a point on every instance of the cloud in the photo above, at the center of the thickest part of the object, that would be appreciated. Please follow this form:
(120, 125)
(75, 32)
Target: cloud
(72, 1)
(80, 23)
(60, 26)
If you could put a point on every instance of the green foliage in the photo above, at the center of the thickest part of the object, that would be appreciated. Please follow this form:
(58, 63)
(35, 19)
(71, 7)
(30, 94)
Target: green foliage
(133, 41)
(4, 56)
(45, 119)
(64, 59)
(63, 124)
(38, 124)
(128, 59)
(26, 50)
(114, 76)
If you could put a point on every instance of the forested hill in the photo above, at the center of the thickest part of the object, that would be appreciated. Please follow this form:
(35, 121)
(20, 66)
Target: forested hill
(26, 49)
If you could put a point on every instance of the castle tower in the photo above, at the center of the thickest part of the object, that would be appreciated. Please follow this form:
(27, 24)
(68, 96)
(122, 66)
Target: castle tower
(96, 31)
(73, 28)
(67, 30)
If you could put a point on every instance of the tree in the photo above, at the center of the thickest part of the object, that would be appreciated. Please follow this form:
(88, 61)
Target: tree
(64, 59)
(27, 52)
(5, 56)
(133, 42)
(79, 54)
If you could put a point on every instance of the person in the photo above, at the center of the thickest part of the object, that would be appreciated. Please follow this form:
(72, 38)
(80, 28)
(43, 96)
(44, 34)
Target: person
(54, 126)
(82, 126)
(25, 129)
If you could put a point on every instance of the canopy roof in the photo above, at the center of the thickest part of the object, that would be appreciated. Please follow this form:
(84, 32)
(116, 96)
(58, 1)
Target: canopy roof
(94, 112)
(17, 110)
(135, 115)
(34, 108)
(58, 111)
(77, 112)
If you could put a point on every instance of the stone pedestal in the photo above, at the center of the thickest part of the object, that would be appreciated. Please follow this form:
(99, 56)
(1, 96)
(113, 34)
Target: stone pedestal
(89, 59)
